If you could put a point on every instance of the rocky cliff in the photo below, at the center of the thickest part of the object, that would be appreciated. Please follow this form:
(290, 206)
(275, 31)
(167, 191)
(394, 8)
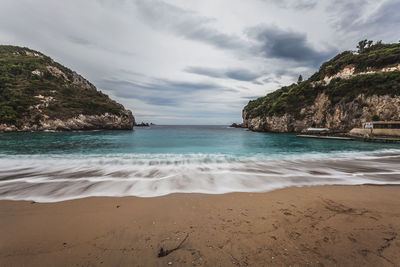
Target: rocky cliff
(340, 117)
(347, 91)
(38, 94)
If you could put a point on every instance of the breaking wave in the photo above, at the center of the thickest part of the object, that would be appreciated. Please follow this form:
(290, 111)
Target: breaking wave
(51, 178)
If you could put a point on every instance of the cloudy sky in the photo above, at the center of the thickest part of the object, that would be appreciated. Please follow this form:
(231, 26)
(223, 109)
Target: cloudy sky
(194, 61)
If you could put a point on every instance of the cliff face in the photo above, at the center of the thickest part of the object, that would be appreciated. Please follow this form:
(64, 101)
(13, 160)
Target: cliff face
(123, 121)
(340, 117)
(38, 94)
(359, 91)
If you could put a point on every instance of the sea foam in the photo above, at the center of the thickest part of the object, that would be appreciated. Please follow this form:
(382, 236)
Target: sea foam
(51, 178)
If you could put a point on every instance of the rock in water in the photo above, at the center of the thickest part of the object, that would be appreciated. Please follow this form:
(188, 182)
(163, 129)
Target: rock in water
(38, 94)
(235, 125)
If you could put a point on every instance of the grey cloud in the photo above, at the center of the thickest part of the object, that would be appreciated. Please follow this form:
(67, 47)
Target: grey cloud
(159, 92)
(257, 83)
(242, 75)
(344, 13)
(387, 15)
(210, 72)
(272, 41)
(287, 72)
(379, 22)
(295, 4)
(79, 40)
(185, 23)
(355, 20)
(95, 45)
(251, 97)
(234, 74)
(270, 80)
(176, 101)
(284, 44)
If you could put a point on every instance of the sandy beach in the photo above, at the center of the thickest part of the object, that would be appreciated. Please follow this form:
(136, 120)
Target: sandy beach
(317, 226)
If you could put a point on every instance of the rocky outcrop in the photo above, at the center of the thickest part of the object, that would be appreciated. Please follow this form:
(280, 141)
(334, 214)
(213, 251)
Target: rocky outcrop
(142, 124)
(341, 117)
(349, 72)
(236, 125)
(80, 81)
(346, 91)
(49, 96)
(125, 121)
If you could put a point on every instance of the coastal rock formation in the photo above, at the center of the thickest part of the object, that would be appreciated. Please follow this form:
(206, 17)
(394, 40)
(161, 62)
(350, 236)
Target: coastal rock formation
(38, 94)
(340, 117)
(235, 125)
(143, 124)
(349, 72)
(81, 122)
(347, 91)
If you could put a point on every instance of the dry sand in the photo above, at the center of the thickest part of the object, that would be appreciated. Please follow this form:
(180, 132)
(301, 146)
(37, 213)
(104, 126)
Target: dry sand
(318, 226)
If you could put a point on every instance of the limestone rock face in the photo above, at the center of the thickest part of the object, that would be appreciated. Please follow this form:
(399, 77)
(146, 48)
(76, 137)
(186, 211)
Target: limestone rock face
(349, 72)
(341, 117)
(125, 121)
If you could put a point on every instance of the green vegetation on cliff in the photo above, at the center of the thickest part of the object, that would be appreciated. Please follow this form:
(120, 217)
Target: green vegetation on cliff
(375, 56)
(291, 99)
(33, 87)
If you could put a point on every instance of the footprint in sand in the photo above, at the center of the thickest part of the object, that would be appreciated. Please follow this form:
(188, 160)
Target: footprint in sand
(286, 212)
(294, 235)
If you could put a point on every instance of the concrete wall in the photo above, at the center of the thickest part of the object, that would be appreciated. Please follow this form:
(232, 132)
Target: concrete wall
(377, 132)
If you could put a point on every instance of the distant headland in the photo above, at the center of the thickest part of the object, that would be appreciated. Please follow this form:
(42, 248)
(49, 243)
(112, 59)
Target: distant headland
(352, 88)
(38, 94)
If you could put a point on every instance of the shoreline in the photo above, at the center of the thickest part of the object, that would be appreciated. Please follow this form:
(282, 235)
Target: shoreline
(68, 177)
(197, 194)
(315, 225)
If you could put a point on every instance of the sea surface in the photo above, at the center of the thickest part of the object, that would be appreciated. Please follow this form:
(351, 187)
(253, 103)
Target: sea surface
(159, 160)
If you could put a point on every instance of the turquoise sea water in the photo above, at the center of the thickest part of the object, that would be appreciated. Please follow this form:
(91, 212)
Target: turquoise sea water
(158, 160)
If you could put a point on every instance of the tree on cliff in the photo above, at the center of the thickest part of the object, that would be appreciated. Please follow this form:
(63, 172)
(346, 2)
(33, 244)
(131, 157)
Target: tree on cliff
(364, 45)
(300, 79)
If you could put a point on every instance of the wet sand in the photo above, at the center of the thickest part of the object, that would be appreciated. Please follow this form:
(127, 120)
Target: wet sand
(317, 226)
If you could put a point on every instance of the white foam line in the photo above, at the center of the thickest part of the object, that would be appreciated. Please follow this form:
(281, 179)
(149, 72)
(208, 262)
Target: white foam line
(271, 188)
(162, 174)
